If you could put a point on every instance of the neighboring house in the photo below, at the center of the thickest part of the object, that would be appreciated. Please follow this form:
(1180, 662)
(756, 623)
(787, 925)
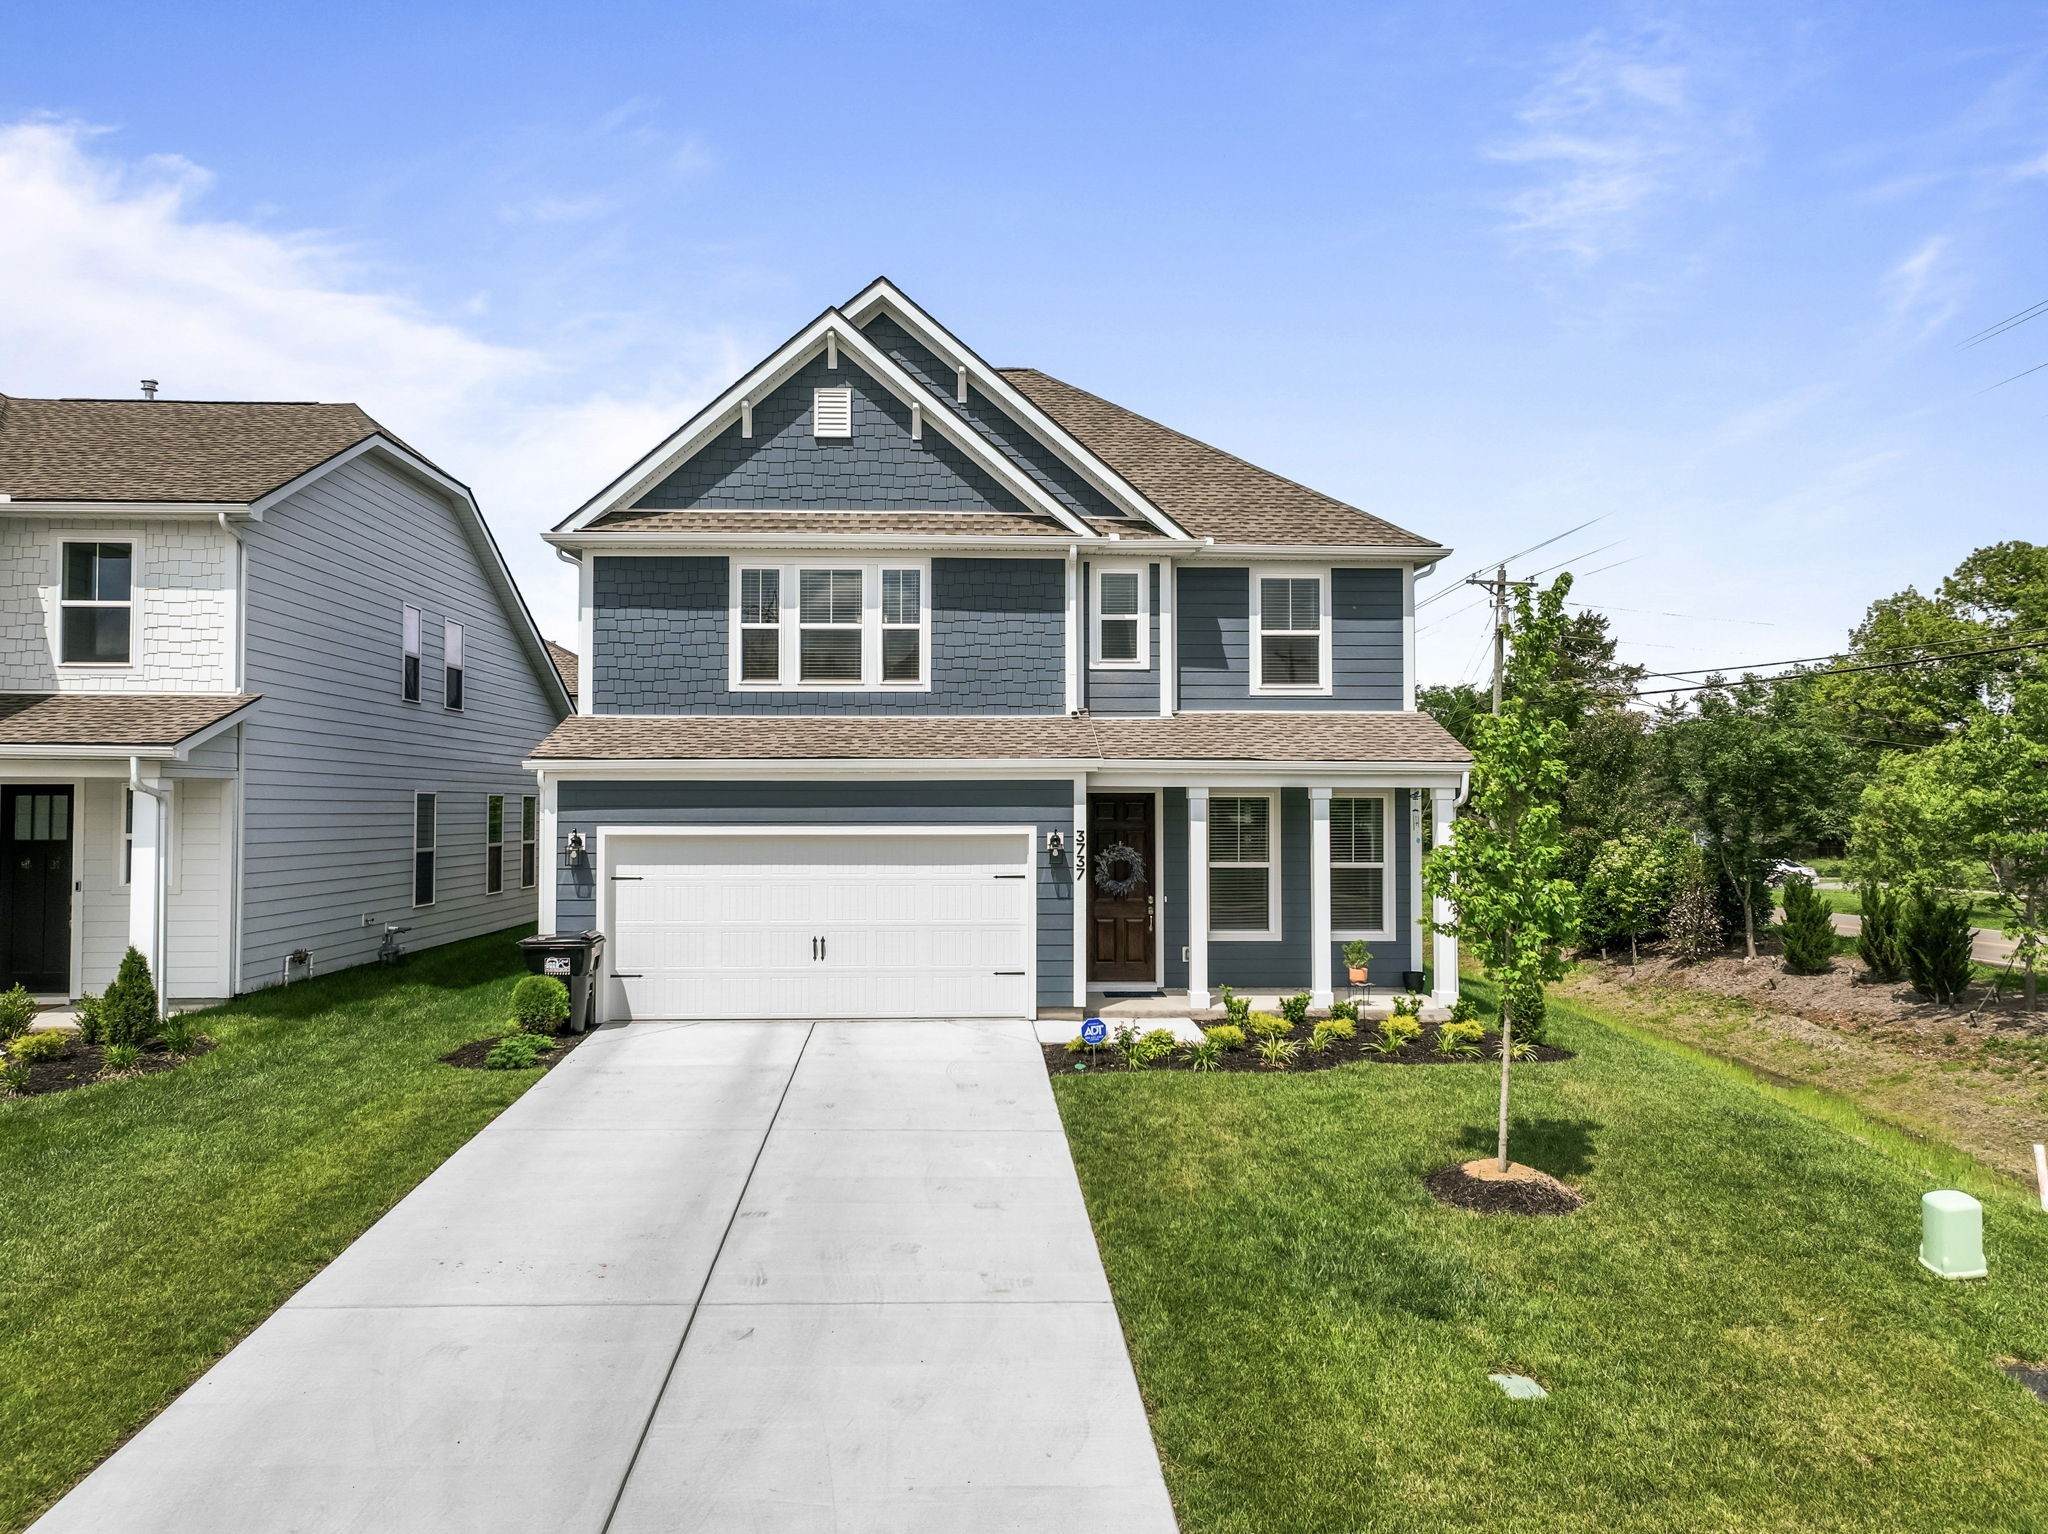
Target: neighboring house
(265, 685)
(913, 686)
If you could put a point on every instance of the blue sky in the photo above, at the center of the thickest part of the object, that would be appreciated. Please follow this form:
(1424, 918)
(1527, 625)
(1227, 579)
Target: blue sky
(1487, 270)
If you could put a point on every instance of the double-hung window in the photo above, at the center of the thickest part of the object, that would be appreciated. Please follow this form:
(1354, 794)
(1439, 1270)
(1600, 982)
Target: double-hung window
(494, 845)
(97, 604)
(425, 836)
(1243, 902)
(451, 665)
(1122, 634)
(409, 663)
(529, 842)
(1291, 632)
(843, 625)
(1358, 867)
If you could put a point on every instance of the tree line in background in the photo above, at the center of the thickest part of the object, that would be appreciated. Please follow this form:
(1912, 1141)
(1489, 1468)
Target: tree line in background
(1920, 754)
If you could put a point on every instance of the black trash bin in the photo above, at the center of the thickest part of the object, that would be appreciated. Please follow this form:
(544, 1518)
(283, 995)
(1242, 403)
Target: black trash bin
(572, 958)
(1411, 980)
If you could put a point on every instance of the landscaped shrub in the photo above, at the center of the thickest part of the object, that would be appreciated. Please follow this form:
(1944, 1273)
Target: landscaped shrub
(128, 1010)
(1205, 1056)
(1407, 1006)
(14, 1076)
(1278, 1051)
(1464, 1010)
(31, 1047)
(1325, 1036)
(1265, 1025)
(1235, 1007)
(92, 1028)
(1808, 930)
(540, 1004)
(1530, 1011)
(1396, 1033)
(1937, 946)
(1155, 1045)
(1338, 1027)
(1295, 1008)
(178, 1035)
(119, 1058)
(1460, 1039)
(1344, 1011)
(17, 1011)
(1881, 945)
(517, 1052)
(1693, 923)
(1226, 1036)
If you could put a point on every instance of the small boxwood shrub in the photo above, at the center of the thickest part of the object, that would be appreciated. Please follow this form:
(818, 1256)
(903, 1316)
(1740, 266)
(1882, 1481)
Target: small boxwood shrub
(1264, 1025)
(17, 1011)
(1338, 1027)
(92, 1026)
(1295, 1008)
(540, 1003)
(517, 1051)
(127, 1013)
(1235, 1007)
(1228, 1035)
(1345, 1011)
(31, 1047)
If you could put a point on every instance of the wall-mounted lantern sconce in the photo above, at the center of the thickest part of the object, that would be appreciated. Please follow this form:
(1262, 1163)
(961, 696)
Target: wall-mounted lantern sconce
(574, 846)
(1055, 844)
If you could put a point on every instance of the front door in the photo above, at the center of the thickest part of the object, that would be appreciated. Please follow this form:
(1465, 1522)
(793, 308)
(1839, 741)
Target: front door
(1122, 870)
(35, 887)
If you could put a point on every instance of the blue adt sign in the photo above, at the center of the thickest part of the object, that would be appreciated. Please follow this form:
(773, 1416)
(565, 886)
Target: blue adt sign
(1094, 1031)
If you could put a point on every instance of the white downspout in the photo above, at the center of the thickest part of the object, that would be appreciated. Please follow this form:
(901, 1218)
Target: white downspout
(159, 937)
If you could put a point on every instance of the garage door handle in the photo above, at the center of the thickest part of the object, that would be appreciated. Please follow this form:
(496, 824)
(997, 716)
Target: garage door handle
(619, 974)
(634, 877)
(1018, 972)
(1009, 876)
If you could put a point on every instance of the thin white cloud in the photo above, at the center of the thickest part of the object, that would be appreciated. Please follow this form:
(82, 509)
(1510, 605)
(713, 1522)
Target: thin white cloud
(1617, 129)
(115, 272)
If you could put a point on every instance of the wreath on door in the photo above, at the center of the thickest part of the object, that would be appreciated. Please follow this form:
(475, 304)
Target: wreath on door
(1119, 868)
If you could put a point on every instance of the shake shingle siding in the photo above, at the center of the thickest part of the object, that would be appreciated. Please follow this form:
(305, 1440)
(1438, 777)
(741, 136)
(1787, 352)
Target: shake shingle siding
(1115, 690)
(659, 633)
(1047, 805)
(783, 467)
(1365, 641)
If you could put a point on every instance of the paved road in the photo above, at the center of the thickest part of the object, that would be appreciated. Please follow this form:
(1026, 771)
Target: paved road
(718, 1276)
(1986, 947)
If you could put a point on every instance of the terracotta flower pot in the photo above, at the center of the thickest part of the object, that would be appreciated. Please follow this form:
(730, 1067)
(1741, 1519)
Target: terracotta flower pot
(1357, 976)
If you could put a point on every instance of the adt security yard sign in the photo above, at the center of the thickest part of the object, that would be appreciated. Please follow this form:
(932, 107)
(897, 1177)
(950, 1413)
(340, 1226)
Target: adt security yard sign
(1094, 1031)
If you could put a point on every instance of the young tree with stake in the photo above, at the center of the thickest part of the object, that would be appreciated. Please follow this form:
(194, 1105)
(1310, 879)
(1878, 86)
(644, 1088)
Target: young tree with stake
(1500, 872)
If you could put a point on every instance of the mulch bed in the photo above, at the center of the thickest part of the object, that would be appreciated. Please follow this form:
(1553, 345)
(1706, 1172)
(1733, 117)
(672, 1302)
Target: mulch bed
(83, 1064)
(470, 1056)
(2033, 1376)
(1419, 1051)
(1526, 1192)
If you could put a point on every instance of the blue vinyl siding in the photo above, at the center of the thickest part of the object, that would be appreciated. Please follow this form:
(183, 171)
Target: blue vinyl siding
(783, 467)
(1047, 804)
(659, 625)
(1365, 641)
(1112, 690)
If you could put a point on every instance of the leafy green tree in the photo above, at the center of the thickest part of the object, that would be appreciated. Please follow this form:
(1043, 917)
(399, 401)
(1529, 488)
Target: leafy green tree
(1629, 884)
(1808, 930)
(1500, 872)
(1978, 799)
(1755, 770)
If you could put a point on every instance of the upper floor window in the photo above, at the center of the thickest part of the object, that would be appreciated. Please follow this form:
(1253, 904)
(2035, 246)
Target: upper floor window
(97, 604)
(832, 626)
(409, 664)
(1358, 867)
(1122, 634)
(832, 412)
(451, 660)
(1290, 632)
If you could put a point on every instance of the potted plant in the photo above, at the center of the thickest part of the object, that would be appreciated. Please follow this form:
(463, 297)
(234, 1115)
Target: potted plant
(1357, 960)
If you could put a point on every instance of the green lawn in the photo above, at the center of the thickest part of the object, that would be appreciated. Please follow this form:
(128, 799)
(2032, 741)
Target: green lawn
(1735, 1330)
(146, 1225)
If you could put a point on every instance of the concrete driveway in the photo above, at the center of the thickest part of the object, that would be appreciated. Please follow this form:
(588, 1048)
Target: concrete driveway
(712, 1276)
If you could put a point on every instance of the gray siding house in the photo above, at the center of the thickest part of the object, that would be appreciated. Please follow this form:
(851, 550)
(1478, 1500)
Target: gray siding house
(912, 686)
(265, 687)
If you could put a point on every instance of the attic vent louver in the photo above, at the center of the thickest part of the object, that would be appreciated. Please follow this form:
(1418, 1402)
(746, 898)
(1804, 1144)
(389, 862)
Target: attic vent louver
(832, 412)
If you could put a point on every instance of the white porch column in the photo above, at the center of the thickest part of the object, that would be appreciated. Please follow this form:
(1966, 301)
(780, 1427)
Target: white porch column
(1077, 863)
(1319, 897)
(1444, 991)
(1198, 898)
(146, 870)
(547, 857)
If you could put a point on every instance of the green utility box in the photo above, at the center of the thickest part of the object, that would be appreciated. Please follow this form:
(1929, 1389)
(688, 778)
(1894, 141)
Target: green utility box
(1952, 1234)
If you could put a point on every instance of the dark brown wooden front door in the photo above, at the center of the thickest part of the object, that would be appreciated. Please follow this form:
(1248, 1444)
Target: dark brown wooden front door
(1123, 867)
(35, 887)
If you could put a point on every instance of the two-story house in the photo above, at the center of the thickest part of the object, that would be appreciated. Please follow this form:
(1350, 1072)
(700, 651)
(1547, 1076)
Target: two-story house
(265, 687)
(913, 686)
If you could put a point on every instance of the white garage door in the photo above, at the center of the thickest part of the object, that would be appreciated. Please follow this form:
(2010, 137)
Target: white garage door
(821, 925)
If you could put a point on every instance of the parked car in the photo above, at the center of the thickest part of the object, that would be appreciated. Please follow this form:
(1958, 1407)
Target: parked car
(1785, 868)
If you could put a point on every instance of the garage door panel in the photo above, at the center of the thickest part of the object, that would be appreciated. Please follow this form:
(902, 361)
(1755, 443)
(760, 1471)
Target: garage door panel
(912, 925)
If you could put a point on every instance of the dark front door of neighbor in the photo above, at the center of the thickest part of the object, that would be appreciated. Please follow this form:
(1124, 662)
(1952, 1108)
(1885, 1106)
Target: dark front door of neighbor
(35, 887)
(1122, 868)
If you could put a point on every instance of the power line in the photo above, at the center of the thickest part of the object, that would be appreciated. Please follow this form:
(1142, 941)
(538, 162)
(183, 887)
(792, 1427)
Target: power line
(1889, 665)
(2003, 326)
(2014, 379)
(1927, 644)
(1532, 548)
(1651, 612)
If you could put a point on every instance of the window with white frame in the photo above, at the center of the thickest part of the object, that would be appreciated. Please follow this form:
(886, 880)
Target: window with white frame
(1243, 899)
(1122, 633)
(1290, 632)
(529, 842)
(494, 845)
(96, 604)
(409, 663)
(844, 625)
(451, 664)
(425, 839)
(1358, 866)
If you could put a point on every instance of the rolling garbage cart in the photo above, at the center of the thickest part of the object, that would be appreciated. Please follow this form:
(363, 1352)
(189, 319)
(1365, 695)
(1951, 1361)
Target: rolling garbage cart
(572, 958)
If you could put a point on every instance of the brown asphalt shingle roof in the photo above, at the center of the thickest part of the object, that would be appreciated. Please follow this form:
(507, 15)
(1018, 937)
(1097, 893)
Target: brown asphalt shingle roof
(1209, 492)
(166, 450)
(143, 720)
(916, 524)
(1219, 737)
(567, 666)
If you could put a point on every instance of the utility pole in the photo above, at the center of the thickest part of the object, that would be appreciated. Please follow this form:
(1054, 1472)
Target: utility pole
(1497, 590)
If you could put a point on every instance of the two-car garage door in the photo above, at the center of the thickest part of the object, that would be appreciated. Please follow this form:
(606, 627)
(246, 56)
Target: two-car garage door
(820, 924)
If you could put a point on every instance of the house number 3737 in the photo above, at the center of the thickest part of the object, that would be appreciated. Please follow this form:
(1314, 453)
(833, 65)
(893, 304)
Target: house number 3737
(1080, 854)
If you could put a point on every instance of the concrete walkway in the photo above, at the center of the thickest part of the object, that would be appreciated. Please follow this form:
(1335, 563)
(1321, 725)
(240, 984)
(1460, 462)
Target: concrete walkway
(717, 1276)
